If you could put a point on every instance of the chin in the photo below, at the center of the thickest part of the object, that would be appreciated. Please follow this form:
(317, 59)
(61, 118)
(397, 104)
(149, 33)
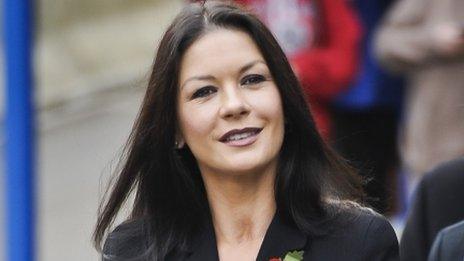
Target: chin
(245, 167)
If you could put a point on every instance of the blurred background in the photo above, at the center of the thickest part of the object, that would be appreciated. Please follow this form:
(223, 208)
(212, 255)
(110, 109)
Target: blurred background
(91, 63)
(368, 67)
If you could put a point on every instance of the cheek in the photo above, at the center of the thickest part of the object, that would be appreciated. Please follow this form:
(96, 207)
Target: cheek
(269, 106)
(196, 122)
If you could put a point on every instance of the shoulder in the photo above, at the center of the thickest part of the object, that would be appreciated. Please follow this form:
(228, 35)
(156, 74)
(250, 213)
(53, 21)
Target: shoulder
(358, 233)
(129, 240)
(356, 220)
(441, 190)
(447, 244)
(377, 238)
(445, 175)
(453, 232)
(345, 214)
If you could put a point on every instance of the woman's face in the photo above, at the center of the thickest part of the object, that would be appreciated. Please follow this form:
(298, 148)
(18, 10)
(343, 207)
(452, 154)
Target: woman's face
(229, 108)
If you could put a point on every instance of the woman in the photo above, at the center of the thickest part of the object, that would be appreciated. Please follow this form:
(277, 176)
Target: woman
(225, 160)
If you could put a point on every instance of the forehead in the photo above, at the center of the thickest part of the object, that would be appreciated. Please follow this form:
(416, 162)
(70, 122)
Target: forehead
(219, 50)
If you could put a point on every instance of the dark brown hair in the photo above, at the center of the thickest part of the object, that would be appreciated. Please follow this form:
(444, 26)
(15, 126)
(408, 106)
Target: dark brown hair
(169, 191)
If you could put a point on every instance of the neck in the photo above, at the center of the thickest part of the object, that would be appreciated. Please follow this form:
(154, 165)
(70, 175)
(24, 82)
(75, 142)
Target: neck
(242, 206)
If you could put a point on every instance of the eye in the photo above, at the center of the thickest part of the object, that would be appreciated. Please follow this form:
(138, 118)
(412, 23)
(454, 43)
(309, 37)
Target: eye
(203, 92)
(252, 79)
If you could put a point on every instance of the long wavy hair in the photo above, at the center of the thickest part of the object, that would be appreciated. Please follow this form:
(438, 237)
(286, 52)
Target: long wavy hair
(169, 191)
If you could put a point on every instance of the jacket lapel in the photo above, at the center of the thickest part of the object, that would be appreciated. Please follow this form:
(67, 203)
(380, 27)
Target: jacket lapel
(281, 238)
(203, 246)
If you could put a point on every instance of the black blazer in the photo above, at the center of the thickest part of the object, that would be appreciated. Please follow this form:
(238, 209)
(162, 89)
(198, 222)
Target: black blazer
(449, 244)
(360, 236)
(437, 204)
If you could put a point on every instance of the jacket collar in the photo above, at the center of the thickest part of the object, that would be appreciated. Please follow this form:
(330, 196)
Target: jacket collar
(281, 237)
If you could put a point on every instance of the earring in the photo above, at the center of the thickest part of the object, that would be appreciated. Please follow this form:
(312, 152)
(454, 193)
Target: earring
(179, 145)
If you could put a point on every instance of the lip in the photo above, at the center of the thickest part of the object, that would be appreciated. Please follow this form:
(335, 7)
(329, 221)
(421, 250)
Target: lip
(242, 142)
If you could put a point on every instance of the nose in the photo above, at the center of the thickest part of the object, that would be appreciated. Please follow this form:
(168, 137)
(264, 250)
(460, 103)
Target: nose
(233, 105)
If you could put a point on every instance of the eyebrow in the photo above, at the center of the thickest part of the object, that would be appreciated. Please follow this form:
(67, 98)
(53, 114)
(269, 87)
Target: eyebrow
(210, 77)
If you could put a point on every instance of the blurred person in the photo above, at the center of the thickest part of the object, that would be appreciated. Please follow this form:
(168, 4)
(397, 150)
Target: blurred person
(225, 159)
(424, 39)
(449, 244)
(321, 40)
(438, 203)
(366, 115)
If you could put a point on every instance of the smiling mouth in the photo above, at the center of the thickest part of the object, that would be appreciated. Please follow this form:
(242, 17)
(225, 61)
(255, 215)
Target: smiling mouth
(242, 137)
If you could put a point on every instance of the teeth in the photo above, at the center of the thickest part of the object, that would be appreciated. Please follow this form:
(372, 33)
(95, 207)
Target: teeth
(240, 136)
